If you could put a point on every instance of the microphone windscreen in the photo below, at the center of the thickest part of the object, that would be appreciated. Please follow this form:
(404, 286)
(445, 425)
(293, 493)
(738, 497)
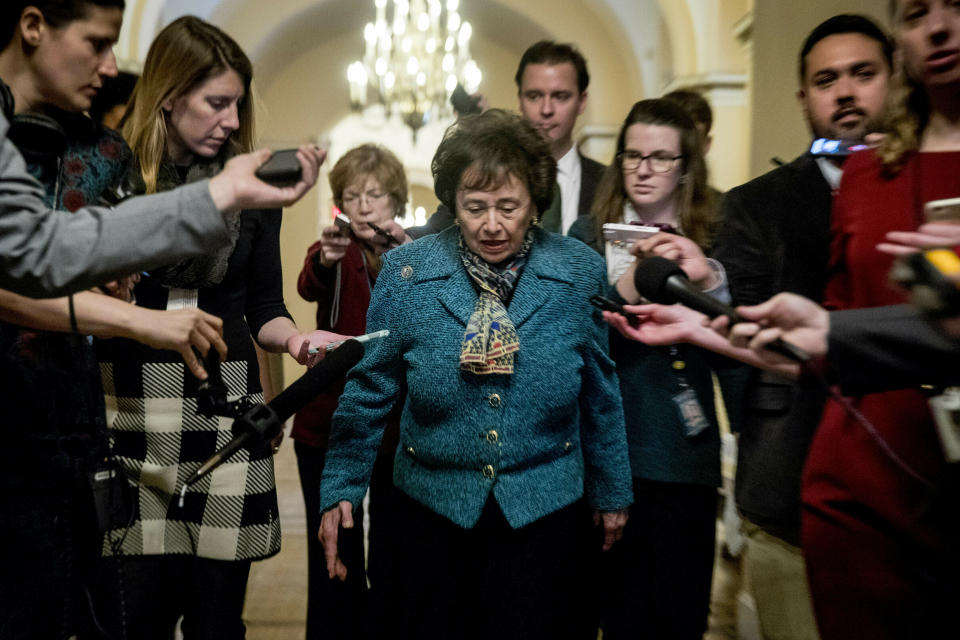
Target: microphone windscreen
(311, 384)
(650, 279)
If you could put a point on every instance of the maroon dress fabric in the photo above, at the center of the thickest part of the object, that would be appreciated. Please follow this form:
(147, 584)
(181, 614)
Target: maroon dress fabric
(881, 536)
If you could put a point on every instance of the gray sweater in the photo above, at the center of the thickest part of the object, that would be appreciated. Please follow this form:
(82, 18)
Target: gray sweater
(50, 253)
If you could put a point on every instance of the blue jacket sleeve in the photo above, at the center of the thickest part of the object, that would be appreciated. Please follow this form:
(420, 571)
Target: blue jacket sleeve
(607, 478)
(372, 389)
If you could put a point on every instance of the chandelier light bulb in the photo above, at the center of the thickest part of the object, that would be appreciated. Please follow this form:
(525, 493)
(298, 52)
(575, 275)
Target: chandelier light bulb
(453, 5)
(406, 45)
(381, 66)
(380, 4)
(449, 44)
(465, 32)
(370, 33)
(431, 45)
(453, 21)
(389, 80)
(421, 79)
(412, 65)
(448, 62)
(451, 83)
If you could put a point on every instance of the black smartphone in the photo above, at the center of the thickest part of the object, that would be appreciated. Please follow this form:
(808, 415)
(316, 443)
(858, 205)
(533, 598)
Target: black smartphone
(391, 241)
(606, 304)
(827, 148)
(462, 102)
(281, 169)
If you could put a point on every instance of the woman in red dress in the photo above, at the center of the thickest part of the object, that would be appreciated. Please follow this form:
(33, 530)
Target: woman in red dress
(881, 524)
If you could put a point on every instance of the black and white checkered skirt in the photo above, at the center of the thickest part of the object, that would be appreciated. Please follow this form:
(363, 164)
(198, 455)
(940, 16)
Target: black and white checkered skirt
(160, 441)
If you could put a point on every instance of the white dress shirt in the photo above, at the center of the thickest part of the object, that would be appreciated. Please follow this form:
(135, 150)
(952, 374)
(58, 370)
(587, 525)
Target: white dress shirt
(568, 177)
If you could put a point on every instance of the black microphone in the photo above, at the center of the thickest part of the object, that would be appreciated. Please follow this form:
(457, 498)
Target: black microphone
(265, 421)
(663, 281)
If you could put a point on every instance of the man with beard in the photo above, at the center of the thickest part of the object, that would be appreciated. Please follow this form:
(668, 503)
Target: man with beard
(775, 236)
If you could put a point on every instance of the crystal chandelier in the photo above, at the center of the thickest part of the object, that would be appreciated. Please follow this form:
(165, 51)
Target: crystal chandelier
(414, 60)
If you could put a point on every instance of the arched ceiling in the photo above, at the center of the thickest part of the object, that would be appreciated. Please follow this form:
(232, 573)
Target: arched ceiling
(631, 27)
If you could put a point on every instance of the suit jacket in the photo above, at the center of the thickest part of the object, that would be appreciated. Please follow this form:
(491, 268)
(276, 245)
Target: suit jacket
(885, 348)
(591, 172)
(46, 253)
(536, 440)
(774, 236)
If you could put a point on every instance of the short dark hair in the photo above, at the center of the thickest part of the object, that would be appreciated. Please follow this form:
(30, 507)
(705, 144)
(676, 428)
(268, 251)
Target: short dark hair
(695, 105)
(846, 23)
(492, 146)
(57, 13)
(550, 52)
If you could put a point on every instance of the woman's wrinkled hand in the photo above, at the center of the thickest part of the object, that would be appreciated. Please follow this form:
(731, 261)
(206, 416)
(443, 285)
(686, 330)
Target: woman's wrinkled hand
(329, 534)
(613, 523)
(299, 345)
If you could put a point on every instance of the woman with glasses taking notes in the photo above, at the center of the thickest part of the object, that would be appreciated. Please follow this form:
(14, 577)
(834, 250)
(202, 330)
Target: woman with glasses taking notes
(656, 581)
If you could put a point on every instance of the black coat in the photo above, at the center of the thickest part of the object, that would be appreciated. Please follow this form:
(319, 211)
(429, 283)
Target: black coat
(774, 236)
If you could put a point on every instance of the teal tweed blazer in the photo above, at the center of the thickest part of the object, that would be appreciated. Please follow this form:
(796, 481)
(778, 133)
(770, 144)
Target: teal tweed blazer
(537, 439)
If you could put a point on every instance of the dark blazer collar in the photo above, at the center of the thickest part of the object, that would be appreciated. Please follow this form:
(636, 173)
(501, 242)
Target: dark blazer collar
(546, 262)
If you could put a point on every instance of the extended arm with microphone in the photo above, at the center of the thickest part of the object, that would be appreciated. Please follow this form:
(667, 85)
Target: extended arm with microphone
(663, 281)
(264, 421)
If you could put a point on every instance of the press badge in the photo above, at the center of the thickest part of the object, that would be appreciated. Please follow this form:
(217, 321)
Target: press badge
(691, 414)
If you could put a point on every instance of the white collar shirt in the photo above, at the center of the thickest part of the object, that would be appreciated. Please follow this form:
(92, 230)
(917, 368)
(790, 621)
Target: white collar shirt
(568, 177)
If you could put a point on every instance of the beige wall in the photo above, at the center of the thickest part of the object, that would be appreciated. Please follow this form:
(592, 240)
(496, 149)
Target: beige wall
(779, 29)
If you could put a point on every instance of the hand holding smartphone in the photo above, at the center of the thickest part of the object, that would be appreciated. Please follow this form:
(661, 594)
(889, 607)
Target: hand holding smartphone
(281, 170)
(606, 304)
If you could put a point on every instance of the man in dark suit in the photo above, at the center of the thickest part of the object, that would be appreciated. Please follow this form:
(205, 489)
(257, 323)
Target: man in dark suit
(552, 81)
(775, 236)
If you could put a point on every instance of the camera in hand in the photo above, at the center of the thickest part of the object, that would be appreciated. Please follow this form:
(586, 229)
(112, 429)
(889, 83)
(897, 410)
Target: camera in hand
(281, 170)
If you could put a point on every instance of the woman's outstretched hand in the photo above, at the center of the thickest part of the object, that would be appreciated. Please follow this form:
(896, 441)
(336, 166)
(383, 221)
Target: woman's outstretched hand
(299, 346)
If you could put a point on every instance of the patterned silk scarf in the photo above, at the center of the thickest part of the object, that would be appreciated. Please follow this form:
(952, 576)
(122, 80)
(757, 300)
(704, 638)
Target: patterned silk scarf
(490, 339)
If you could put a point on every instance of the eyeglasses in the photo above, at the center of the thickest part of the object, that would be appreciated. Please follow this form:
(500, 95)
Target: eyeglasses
(369, 196)
(659, 162)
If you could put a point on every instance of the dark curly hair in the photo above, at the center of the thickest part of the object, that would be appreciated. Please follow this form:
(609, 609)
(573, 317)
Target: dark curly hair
(493, 145)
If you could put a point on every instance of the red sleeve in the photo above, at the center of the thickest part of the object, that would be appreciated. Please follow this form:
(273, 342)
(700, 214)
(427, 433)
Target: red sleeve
(314, 281)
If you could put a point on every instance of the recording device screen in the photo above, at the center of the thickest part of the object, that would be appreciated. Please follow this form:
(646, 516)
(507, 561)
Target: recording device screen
(827, 148)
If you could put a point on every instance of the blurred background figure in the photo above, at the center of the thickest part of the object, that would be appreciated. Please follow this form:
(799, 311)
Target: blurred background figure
(110, 104)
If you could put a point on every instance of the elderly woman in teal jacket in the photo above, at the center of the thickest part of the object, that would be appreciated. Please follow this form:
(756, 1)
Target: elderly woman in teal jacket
(511, 409)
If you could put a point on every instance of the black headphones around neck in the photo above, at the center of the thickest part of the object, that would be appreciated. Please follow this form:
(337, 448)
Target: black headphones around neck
(39, 137)
(6, 101)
